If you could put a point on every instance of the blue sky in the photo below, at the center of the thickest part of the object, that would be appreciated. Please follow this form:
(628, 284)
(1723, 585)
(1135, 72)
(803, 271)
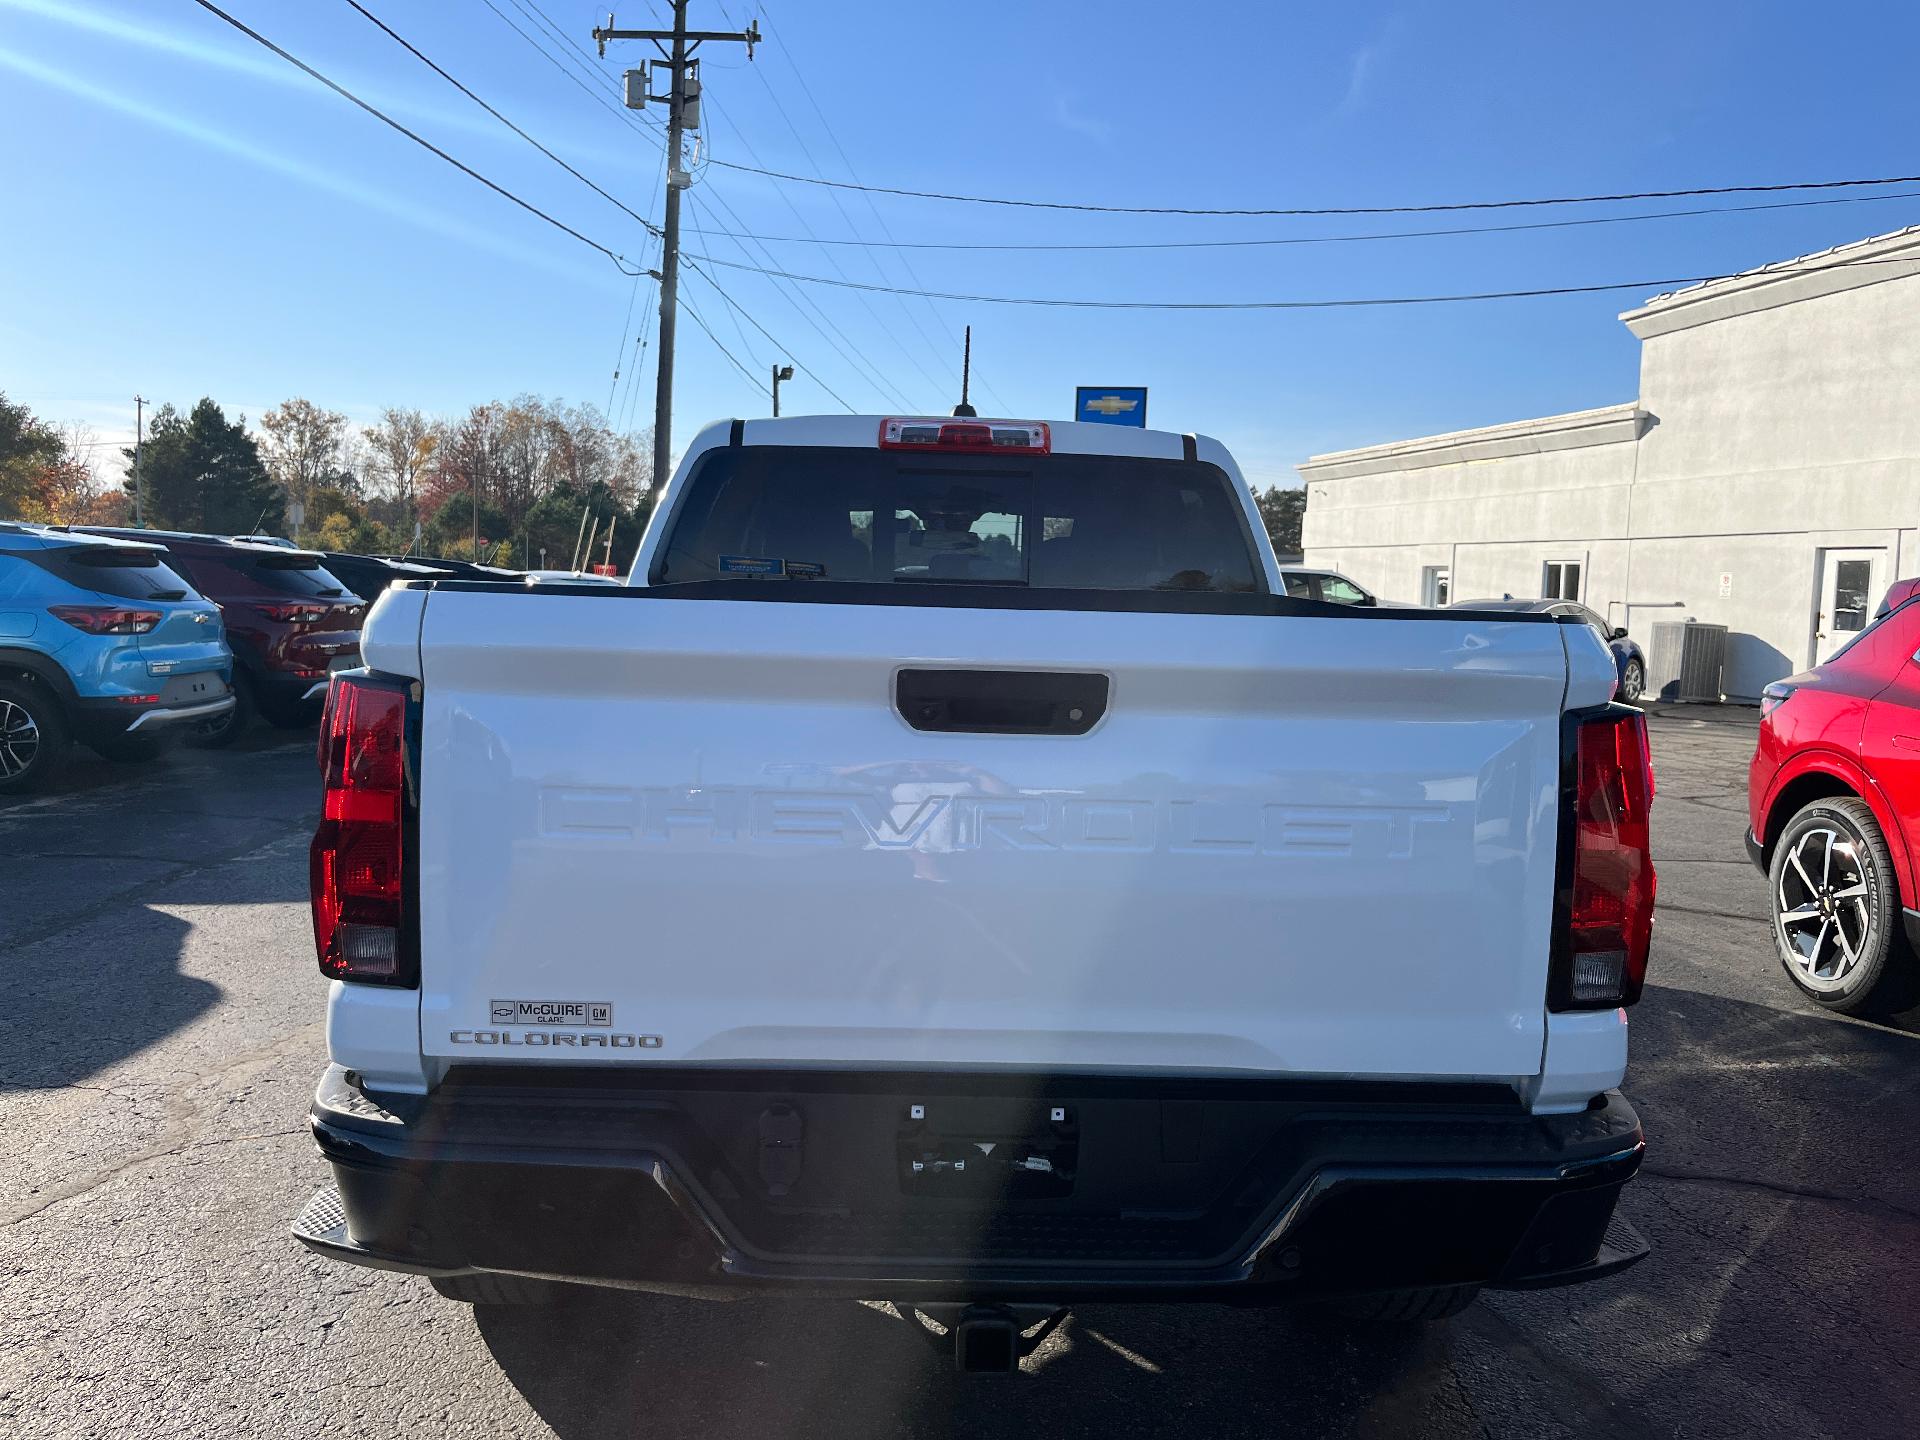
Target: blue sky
(189, 215)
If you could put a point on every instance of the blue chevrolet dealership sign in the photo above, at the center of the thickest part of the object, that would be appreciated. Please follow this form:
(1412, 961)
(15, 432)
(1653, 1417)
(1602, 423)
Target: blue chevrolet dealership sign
(1111, 404)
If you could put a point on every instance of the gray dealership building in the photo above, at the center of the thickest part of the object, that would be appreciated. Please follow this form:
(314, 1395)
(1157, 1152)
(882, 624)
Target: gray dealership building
(1766, 479)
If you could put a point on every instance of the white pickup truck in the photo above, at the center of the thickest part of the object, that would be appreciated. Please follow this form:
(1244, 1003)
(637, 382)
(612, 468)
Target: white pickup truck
(953, 871)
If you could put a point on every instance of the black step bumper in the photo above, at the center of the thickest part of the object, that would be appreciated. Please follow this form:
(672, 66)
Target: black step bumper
(1105, 1188)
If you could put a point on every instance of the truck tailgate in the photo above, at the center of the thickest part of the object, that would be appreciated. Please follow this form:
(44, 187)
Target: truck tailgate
(671, 831)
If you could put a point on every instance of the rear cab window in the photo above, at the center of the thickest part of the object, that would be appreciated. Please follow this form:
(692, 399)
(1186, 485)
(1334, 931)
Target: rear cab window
(230, 570)
(125, 573)
(881, 517)
(292, 574)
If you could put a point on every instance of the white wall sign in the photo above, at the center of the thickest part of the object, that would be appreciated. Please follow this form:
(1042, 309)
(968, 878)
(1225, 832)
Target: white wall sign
(1726, 583)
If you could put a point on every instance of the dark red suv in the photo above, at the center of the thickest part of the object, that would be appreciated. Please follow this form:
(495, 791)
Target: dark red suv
(289, 621)
(1834, 800)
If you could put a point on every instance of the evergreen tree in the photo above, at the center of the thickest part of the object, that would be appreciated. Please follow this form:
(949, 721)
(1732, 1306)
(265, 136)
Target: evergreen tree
(203, 472)
(1283, 511)
(237, 496)
(171, 499)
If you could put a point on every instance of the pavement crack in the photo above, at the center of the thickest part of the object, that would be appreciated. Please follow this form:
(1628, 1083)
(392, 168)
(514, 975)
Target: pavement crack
(183, 1113)
(235, 1139)
(1778, 1187)
(119, 899)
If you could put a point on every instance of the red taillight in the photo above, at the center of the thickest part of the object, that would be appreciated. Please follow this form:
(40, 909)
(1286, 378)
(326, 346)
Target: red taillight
(293, 613)
(358, 854)
(967, 436)
(106, 619)
(1610, 912)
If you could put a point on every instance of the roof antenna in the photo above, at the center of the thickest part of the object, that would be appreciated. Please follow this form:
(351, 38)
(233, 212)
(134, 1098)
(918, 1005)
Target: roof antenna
(963, 410)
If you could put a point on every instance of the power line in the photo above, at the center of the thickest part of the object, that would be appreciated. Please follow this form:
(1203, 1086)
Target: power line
(619, 112)
(801, 300)
(731, 302)
(1318, 210)
(913, 278)
(620, 355)
(798, 298)
(588, 61)
(885, 329)
(1340, 304)
(426, 60)
(733, 312)
(619, 260)
(694, 311)
(940, 359)
(1071, 246)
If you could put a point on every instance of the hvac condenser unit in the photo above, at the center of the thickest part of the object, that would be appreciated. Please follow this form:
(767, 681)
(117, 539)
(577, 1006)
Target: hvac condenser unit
(1688, 662)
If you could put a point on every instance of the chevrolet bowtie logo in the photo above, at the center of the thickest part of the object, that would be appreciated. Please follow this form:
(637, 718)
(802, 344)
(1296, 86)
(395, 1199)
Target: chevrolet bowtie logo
(1112, 405)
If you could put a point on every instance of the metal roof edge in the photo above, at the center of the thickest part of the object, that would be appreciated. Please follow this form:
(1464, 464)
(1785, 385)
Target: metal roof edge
(1605, 425)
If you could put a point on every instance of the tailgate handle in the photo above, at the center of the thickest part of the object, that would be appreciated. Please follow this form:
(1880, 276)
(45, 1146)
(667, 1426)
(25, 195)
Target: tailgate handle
(1001, 702)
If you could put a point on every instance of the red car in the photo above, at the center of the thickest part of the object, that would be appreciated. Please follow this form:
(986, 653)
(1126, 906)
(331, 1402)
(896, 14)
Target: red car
(289, 621)
(1834, 801)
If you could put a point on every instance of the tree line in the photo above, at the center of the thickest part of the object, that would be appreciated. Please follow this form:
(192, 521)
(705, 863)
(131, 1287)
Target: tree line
(509, 481)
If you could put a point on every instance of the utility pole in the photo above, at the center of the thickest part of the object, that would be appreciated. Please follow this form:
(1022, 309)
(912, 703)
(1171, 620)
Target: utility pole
(780, 372)
(683, 113)
(139, 491)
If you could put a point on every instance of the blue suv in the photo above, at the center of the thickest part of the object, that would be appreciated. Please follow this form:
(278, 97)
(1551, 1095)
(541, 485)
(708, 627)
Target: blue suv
(100, 642)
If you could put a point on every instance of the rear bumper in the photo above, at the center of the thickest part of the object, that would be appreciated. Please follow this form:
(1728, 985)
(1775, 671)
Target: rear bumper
(156, 720)
(721, 1185)
(288, 688)
(178, 705)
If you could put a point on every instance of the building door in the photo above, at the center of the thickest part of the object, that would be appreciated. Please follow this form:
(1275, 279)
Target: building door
(1849, 579)
(1436, 586)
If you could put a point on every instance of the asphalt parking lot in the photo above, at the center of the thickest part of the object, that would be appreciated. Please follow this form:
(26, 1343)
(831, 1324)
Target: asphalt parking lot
(163, 1030)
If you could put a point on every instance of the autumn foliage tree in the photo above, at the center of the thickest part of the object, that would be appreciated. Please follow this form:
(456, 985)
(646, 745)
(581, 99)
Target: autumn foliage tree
(45, 475)
(506, 470)
(400, 451)
(304, 450)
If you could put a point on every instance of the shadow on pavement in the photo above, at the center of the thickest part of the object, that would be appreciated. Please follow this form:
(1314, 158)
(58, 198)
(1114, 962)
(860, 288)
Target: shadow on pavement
(92, 947)
(762, 1368)
(72, 1011)
(1781, 1193)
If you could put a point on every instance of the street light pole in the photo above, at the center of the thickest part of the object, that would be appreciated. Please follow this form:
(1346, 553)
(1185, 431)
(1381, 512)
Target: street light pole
(780, 372)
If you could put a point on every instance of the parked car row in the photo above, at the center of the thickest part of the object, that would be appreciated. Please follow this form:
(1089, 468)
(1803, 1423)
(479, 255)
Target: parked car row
(1629, 661)
(128, 641)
